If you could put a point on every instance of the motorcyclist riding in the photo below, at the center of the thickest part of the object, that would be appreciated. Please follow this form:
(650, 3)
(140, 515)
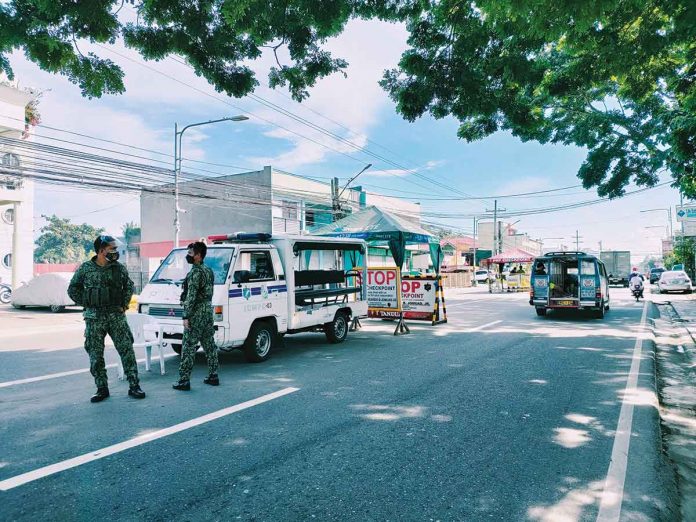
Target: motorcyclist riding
(635, 281)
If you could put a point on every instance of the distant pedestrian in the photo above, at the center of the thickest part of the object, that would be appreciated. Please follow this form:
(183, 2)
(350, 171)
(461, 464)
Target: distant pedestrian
(196, 299)
(102, 286)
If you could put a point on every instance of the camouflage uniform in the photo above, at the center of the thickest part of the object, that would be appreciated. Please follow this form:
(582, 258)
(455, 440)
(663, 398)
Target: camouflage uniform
(197, 302)
(117, 289)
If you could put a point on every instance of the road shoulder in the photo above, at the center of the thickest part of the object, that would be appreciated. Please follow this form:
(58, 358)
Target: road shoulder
(675, 360)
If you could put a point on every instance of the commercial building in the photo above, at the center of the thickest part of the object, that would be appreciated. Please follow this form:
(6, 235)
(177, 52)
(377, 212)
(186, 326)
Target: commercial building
(267, 200)
(508, 238)
(16, 193)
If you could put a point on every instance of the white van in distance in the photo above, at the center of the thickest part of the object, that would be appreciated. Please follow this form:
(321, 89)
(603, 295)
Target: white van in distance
(266, 287)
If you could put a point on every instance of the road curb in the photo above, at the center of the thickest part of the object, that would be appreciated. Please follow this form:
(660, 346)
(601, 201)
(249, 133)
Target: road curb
(675, 365)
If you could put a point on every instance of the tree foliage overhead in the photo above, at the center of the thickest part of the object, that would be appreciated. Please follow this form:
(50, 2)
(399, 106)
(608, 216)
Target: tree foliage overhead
(64, 242)
(617, 77)
(217, 38)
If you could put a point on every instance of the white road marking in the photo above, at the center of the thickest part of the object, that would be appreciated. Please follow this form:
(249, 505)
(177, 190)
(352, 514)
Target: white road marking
(7, 384)
(612, 496)
(9, 333)
(37, 474)
(478, 328)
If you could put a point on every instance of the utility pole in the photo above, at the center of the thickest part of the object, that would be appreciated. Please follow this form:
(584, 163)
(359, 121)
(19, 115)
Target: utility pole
(497, 239)
(577, 241)
(335, 203)
(336, 195)
(600, 248)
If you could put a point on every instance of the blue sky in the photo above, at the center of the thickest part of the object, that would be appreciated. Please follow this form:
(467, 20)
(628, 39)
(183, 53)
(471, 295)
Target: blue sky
(501, 164)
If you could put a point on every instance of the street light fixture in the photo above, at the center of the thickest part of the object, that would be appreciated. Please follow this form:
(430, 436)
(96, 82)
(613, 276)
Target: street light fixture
(669, 216)
(178, 134)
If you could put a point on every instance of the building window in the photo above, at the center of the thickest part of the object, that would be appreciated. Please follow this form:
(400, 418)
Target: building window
(289, 209)
(7, 261)
(8, 216)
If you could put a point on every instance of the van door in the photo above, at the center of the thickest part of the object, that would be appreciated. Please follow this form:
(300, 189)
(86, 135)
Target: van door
(590, 281)
(257, 290)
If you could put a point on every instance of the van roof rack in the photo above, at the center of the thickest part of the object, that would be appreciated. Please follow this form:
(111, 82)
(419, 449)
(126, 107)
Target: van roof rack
(565, 253)
(241, 237)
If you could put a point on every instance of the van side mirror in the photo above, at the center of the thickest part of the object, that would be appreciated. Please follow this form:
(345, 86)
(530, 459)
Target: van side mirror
(242, 276)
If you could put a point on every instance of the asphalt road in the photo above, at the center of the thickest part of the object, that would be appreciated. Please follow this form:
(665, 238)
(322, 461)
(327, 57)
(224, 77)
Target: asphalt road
(498, 415)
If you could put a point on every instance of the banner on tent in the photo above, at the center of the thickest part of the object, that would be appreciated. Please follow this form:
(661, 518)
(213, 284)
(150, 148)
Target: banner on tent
(383, 292)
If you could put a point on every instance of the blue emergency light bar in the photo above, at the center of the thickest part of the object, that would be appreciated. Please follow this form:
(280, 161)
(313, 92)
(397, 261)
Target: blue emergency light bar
(241, 237)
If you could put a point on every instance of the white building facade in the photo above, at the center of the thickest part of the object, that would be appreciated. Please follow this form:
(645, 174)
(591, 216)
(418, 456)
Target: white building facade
(509, 238)
(16, 192)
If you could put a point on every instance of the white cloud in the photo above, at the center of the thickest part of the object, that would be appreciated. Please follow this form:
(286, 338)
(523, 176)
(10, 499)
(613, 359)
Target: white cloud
(348, 107)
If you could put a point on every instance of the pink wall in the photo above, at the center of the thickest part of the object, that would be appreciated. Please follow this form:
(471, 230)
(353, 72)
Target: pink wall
(47, 268)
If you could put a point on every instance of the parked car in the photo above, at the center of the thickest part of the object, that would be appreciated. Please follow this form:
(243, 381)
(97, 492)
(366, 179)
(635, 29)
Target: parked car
(483, 276)
(655, 274)
(674, 281)
(46, 290)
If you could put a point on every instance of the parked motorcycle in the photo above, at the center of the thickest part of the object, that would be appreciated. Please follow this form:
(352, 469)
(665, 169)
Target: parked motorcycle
(5, 293)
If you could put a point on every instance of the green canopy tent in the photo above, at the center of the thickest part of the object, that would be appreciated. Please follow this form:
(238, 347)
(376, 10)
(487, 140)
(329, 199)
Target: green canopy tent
(378, 226)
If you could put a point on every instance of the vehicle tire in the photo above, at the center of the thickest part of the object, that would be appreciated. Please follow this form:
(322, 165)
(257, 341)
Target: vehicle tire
(56, 309)
(257, 347)
(176, 348)
(541, 312)
(688, 291)
(5, 296)
(599, 314)
(337, 330)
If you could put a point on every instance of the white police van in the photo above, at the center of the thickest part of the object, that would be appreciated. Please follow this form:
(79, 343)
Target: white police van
(266, 287)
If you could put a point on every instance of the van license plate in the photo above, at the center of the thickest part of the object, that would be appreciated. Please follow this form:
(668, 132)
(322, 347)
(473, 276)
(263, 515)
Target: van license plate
(565, 303)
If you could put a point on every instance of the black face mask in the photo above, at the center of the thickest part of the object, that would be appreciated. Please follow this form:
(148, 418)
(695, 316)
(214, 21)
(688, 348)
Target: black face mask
(112, 256)
(189, 259)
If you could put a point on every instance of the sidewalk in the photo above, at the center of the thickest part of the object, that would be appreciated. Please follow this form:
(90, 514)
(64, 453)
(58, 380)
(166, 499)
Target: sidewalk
(675, 337)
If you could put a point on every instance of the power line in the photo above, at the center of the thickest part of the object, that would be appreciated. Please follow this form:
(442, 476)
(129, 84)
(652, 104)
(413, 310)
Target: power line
(324, 131)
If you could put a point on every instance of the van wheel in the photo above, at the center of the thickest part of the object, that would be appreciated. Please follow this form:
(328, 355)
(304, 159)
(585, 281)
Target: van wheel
(599, 314)
(337, 330)
(541, 312)
(257, 347)
(177, 348)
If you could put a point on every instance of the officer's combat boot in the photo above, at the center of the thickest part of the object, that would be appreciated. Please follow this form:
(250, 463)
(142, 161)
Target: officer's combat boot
(182, 385)
(212, 379)
(102, 393)
(136, 392)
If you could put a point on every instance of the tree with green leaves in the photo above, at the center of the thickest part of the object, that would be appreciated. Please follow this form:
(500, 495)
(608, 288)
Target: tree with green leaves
(216, 37)
(64, 242)
(616, 77)
(130, 231)
(683, 253)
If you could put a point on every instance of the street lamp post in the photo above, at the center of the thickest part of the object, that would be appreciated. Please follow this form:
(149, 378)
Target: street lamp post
(336, 195)
(669, 217)
(178, 134)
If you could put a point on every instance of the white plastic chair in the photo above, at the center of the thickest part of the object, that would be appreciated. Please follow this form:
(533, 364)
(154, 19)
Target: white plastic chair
(147, 332)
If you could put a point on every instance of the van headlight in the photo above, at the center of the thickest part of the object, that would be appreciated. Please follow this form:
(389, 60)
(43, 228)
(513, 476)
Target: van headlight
(144, 309)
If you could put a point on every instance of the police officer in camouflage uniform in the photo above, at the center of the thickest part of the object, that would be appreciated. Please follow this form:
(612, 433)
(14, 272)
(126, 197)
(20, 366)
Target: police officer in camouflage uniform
(102, 286)
(196, 299)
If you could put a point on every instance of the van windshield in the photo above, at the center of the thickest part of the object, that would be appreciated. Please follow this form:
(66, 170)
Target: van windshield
(174, 268)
